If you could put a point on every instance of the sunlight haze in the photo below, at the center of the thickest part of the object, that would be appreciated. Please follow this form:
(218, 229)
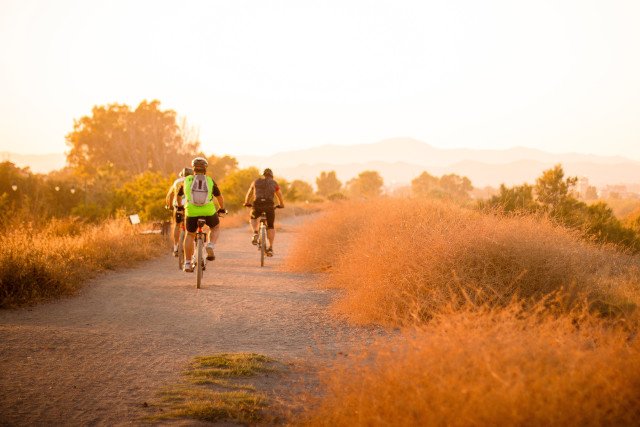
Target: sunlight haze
(262, 77)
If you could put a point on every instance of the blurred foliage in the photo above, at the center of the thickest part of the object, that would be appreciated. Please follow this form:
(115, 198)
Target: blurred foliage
(367, 184)
(235, 186)
(145, 195)
(552, 196)
(118, 137)
(449, 186)
(328, 183)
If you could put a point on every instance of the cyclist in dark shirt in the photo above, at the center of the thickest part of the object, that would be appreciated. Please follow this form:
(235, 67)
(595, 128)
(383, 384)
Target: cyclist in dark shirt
(260, 197)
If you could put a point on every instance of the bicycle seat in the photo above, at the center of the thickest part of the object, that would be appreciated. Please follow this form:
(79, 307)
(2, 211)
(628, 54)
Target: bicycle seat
(201, 223)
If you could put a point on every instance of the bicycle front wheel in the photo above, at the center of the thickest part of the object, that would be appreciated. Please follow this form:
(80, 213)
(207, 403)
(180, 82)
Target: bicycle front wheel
(199, 263)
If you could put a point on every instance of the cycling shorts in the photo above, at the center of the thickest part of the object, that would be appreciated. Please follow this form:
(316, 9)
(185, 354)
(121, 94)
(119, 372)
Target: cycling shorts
(192, 222)
(178, 214)
(268, 209)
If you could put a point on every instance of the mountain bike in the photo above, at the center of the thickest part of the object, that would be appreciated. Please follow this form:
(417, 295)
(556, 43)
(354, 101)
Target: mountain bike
(198, 258)
(262, 235)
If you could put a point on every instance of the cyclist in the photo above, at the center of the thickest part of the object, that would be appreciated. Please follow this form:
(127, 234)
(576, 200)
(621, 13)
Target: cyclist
(260, 197)
(199, 191)
(175, 200)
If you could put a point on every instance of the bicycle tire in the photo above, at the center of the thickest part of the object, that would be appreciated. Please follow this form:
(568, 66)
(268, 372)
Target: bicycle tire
(181, 250)
(263, 244)
(199, 263)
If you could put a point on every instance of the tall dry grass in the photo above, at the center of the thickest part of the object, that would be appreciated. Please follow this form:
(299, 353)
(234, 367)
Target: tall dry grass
(510, 366)
(400, 261)
(39, 262)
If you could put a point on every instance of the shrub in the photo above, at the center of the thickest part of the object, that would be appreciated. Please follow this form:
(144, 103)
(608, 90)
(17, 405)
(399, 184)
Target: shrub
(488, 367)
(44, 262)
(402, 261)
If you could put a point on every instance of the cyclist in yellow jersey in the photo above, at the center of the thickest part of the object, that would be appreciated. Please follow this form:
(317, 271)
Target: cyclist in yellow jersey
(199, 191)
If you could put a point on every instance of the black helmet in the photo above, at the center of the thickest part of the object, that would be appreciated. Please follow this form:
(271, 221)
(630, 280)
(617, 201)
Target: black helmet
(199, 162)
(186, 172)
(268, 172)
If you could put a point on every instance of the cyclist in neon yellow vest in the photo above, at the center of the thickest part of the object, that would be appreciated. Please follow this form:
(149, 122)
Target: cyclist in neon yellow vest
(199, 191)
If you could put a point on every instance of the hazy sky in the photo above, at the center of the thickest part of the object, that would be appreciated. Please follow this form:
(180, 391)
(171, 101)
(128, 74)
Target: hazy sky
(264, 76)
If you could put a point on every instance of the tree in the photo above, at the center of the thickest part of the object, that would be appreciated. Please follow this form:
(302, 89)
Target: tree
(366, 184)
(303, 190)
(145, 195)
(328, 183)
(515, 199)
(220, 167)
(552, 189)
(134, 141)
(450, 186)
(235, 186)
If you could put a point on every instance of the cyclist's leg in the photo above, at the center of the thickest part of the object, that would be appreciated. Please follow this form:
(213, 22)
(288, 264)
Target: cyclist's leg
(213, 222)
(271, 230)
(192, 227)
(254, 223)
(178, 217)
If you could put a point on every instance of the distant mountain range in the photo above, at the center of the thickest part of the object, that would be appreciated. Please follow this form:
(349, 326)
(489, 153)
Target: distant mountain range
(399, 160)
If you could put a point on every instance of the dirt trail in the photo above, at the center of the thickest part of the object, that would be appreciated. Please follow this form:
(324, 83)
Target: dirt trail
(95, 358)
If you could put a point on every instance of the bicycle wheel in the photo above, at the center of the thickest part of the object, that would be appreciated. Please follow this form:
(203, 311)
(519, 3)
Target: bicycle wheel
(181, 250)
(199, 262)
(263, 244)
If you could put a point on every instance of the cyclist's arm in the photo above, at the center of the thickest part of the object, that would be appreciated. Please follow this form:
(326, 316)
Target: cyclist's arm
(169, 198)
(218, 195)
(249, 197)
(280, 198)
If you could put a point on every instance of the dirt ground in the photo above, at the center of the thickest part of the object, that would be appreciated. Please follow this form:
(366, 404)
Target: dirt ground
(95, 358)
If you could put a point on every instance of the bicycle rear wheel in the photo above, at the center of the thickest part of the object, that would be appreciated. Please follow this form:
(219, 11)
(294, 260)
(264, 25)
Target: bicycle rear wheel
(199, 263)
(263, 244)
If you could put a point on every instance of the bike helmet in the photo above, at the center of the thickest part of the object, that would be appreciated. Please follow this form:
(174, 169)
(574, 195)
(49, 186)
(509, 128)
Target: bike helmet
(268, 172)
(199, 162)
(186, 172)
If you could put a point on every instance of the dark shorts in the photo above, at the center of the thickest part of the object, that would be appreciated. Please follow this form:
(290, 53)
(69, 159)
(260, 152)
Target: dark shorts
(192, 222)
(268, 209)
(178, 214)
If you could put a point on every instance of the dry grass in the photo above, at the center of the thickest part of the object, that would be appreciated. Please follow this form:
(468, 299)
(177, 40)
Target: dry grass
(509, 366)
(43, 262)
(399, 262)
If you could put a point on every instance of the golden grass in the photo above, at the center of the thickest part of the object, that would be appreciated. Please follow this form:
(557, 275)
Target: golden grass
(212, 391)
(479, 367)
(39, 262)
(399, 262)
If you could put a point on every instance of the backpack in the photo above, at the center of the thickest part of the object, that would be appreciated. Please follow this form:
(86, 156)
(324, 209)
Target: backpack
(265, 189)
(200, 190)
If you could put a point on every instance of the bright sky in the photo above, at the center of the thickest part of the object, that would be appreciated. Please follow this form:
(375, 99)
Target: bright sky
(258, 77)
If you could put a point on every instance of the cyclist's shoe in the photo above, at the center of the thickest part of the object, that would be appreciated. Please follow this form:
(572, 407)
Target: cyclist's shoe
(175, 253)
(269, 252)
(188, 268)
(254, 240)
(210, 255)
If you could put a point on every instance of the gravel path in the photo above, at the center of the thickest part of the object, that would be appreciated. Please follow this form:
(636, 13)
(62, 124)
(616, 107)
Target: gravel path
(94, 359)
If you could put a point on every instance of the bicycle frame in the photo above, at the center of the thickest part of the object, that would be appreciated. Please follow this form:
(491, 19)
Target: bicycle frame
(200, 262)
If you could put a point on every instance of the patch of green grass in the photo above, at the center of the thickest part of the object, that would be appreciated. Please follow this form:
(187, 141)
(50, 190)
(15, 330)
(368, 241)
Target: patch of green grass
(214, 388)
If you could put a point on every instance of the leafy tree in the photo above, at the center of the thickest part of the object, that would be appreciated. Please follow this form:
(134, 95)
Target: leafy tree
(235, 186)
(515, 199)
(366, 184)
(450, 186)
(328, 183)
(135, 141)
(220, 167)
(552, 189)
(303, 190)
(145, 195)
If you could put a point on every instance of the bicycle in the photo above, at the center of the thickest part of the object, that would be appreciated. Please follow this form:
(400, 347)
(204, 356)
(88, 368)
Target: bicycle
(262, 234)
(183, 233)
(199, 260)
